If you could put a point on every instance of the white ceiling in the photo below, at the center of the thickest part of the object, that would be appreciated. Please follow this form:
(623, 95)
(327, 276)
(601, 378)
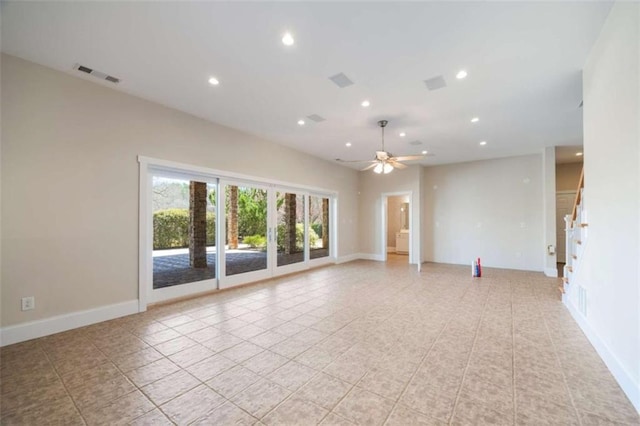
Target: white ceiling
(524, 61)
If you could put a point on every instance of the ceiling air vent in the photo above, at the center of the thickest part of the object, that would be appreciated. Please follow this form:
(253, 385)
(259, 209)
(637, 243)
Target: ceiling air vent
(435, 83)
(97, 74)
(341, 80)
(415, 143)
(316, 118)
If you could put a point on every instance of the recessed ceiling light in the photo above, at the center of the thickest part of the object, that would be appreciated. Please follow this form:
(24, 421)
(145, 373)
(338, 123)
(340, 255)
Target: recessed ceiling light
(365, 103)
(475, 119)
(301, 122)
(287, 39)
(424, 152)
(461, 74)
(213, 81)
(483, 143)
(403, 134)
(348, 144)
(578, 154)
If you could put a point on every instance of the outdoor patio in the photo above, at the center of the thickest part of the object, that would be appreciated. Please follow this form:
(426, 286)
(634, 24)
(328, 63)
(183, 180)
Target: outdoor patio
(174, 269)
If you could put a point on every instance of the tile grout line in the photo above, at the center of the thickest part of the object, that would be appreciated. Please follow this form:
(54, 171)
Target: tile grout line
(318, 372)
(135, 385)
(421, 362)
(66, 389)
(475, 339)
(555, 352)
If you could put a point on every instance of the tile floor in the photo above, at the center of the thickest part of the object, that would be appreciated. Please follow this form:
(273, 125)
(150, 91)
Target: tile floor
(358, 343)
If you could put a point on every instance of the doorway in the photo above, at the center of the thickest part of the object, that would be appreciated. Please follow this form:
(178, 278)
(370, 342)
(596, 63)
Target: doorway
(564, 206)
(396, 227)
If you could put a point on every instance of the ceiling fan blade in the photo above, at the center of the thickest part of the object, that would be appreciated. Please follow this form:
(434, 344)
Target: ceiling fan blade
(397, 165)
(412, 157)
(355, 161)
(369, 167)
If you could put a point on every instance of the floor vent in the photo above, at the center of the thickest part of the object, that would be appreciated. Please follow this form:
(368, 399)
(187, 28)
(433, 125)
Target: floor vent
(582, 300)
(96, 74)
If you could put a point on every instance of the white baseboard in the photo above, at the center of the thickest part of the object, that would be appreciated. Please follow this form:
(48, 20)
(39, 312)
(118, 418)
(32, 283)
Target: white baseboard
(347, 258)
(44, 327)
(551, 272)
(360, 256)
(624, 379)
(373, 256)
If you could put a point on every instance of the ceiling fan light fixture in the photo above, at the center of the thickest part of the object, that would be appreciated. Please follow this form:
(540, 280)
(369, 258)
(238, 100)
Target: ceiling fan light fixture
(387, 168)
(287, 39)
(378, 168)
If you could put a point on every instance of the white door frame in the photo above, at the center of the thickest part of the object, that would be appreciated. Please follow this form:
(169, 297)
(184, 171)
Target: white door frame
(147, 167)
(385, 198)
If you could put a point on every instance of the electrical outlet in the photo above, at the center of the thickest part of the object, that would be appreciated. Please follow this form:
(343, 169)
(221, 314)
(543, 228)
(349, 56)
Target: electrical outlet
(28, 303)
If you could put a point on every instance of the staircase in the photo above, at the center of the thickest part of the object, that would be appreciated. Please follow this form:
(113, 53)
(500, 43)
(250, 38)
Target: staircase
(576, 227)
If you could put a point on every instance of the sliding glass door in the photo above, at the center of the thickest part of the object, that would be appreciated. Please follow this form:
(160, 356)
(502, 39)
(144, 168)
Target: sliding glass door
(292, 239)
(204, 232)
(246, 218)
(183, 255)
(319, 239)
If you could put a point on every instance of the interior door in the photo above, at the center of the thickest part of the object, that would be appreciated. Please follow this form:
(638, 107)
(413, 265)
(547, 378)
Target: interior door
(564, 206)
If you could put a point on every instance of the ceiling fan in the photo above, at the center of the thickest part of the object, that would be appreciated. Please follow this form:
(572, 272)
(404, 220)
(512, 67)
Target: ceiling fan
(384, 161)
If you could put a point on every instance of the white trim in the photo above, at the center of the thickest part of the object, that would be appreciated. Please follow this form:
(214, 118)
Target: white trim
(215, 173)
(44, 327)
(348, 258)
(143, 231)
(290, 268)
(244, 278)
(384, 201)
(624, 379)
(164, 294)
(551, 272)
(373, 256)
(152, 166)
(321, 261)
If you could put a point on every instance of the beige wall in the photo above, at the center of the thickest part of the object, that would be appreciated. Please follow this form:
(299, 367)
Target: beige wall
(568, 176)
(608, 268)
(490, 209)
(70, 185)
